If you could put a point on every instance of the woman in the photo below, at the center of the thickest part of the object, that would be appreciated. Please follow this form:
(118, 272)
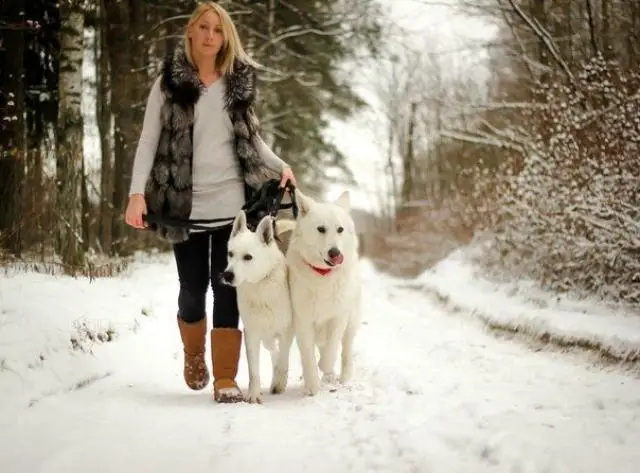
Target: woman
(199, 155)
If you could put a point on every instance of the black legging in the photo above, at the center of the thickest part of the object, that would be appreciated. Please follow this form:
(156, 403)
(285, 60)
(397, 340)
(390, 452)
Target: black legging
(195, 270)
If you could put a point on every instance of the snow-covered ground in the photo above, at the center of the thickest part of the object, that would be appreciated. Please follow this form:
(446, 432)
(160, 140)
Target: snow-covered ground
(431, 393)
(520, 306)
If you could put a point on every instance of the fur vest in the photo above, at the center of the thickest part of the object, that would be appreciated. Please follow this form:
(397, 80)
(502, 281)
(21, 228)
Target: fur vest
(168, 190)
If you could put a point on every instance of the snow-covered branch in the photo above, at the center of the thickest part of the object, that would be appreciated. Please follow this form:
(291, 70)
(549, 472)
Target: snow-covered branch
(546, 38)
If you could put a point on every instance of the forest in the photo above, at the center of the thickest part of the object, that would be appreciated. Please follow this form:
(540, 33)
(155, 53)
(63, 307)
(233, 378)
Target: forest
(524, 145)
(74, 81)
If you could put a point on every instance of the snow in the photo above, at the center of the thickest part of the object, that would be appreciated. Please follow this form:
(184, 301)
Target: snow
(523, 307)
(431, 392)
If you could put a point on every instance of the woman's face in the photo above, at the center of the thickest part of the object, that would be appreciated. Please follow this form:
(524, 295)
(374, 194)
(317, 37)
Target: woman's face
(206, 35)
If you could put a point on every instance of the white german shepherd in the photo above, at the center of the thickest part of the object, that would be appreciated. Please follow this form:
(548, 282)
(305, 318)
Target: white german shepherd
(325, 285)
(257, 268)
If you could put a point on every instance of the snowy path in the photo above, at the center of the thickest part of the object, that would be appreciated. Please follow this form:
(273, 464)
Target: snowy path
(432, 393)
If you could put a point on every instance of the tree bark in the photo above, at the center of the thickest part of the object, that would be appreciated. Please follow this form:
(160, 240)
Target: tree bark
(103, 118)
(592, 27)
(408, 161)
(12, 129)
(608, 49)
(70, 156)
(129, 85)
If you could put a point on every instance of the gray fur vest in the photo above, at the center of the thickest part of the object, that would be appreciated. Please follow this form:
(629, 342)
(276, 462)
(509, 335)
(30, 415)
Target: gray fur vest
(168, 190)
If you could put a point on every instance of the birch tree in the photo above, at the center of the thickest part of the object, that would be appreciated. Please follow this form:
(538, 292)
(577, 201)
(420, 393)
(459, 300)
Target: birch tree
(69, 164)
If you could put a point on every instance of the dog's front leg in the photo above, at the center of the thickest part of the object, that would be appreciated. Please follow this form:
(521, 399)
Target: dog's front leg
(252, 346)
(306, 344)
(347, 351)
(329, 352)
(281, 362)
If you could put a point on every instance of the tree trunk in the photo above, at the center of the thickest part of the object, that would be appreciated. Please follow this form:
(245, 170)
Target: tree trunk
(34, 178)
(103, 117)
(568, 17)
(390, 168)
(608, 49)
(129, 84)
(634, 38)
(12, 130)
(119, 39)
(86, 209)
(592, 27)
(408, 161)
(271, 19)
(538, 12)
(70, 157)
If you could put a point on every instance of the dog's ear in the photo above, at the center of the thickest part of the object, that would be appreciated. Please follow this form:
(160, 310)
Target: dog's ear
(344, 201)
(265, 230)
(239, 223)
(304, 203)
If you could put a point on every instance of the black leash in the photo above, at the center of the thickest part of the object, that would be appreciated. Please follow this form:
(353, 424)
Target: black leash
(267, 201)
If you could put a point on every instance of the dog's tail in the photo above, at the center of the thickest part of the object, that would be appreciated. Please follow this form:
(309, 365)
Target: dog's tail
(283, 226)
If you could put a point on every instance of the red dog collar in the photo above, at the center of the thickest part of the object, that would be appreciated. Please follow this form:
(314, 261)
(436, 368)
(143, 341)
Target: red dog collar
(320, 271)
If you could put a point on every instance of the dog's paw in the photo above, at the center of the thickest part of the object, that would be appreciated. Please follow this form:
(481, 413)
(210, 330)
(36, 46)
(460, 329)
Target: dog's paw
(329, 378)
(279, 385)
(254, 398)
(345, 375)
(311, 389)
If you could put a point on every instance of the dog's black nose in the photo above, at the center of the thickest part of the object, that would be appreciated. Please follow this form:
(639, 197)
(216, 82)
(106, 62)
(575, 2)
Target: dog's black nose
(227, 277)
(333, 252)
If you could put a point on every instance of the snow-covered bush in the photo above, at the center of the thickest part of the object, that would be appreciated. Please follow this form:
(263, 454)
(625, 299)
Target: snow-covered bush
(570, 218)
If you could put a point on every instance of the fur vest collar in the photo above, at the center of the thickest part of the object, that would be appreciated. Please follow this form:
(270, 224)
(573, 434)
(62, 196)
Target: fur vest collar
(168, 190)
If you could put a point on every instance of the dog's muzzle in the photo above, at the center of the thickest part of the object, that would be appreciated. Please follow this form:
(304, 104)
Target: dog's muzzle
(227, 277)
(334, 257)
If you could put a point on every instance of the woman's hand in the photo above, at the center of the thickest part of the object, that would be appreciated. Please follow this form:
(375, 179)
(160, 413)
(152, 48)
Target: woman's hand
(287, 175)
(136, 208)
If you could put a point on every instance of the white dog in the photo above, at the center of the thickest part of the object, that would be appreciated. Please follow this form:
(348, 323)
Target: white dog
(325, 285)
(257, 268)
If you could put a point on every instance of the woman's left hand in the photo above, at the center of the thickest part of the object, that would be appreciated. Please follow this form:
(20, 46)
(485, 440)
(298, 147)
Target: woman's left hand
(287, 175)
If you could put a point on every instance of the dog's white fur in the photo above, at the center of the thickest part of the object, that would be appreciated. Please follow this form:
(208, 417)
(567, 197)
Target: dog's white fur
(326, 308)
(260, 276)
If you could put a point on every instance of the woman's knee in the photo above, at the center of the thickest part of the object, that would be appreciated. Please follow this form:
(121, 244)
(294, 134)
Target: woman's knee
(192, 302)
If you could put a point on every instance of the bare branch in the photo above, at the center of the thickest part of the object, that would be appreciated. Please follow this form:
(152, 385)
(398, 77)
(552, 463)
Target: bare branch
(540, 31)
(481, 140)
(295, 32)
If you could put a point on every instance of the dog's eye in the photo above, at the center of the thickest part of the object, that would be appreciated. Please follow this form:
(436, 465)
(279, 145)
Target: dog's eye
(230, 254)
(247, 257)
(322, 229)
(340, 229)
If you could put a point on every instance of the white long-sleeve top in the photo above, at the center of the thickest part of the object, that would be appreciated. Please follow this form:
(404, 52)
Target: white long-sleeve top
(218, 186)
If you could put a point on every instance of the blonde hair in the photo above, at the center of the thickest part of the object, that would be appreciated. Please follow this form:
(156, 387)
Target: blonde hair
(231, 48)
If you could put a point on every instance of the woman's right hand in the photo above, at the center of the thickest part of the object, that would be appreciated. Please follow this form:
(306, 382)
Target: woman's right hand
(136, 208)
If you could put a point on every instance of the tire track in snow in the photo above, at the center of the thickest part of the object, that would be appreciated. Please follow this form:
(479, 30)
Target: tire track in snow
(474, 403)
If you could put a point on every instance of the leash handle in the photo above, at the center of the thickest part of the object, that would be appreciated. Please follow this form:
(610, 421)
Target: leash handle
(278, 201)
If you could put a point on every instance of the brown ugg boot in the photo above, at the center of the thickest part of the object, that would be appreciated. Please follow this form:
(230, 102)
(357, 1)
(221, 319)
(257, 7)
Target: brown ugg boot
(225, 355)
(193, 337)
